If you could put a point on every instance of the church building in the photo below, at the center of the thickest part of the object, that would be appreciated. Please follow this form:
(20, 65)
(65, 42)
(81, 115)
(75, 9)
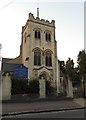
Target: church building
(38, 49)
(38, 55)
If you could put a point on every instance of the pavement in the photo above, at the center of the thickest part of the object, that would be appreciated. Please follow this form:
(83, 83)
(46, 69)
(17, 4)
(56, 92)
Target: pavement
(80, 101)
(13, 108)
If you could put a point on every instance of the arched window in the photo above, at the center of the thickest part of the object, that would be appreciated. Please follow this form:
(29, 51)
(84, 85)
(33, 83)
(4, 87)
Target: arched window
(37, 57)
(48, 37)
(37, 34)
(48, 59)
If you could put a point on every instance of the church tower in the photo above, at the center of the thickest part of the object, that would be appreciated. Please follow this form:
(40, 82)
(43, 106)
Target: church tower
(39, 49)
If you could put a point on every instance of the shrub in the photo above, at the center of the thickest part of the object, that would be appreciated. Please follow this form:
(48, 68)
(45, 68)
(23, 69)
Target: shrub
(34, 86)
(19, 86)
(22, 86)
(49, 88)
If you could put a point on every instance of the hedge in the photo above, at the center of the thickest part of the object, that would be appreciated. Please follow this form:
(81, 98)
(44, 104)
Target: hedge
(23, 86)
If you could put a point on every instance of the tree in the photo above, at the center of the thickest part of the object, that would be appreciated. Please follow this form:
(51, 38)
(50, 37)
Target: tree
(62, 66)
(81, 60)
(82, 63)
(69, 70)
(76, 75)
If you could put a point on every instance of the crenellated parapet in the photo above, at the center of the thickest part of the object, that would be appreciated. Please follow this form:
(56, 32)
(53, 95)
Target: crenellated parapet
(38, 21)
(41, 21)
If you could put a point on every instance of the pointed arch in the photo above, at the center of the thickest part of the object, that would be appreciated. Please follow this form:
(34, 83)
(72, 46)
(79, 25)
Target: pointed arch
(44, 74)
(36, 48)
(37, 56)
(48, 50)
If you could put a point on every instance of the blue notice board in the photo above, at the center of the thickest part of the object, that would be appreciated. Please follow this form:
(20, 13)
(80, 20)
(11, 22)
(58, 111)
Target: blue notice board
(20, 71)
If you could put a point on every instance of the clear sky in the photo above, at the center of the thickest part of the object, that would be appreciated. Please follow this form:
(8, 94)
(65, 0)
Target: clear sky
(69, 21)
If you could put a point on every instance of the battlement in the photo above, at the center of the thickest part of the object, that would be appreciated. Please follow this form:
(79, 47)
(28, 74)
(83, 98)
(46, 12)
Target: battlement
(41, 21)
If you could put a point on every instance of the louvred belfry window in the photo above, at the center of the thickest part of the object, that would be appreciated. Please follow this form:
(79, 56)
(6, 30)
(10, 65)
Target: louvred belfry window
(48, 37)
(37, 34)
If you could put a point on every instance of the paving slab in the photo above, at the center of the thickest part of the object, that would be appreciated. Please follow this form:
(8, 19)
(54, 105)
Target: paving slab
(80, 101)
(12, 108)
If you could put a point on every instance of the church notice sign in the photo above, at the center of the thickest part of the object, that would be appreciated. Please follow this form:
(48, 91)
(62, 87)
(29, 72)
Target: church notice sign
(20, 72)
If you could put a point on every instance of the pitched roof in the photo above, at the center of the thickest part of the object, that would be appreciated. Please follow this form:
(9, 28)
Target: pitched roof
(6, 66)
(4, 60)
(17, 60)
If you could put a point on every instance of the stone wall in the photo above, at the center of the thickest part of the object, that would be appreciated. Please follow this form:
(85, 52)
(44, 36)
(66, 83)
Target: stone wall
(6, 87)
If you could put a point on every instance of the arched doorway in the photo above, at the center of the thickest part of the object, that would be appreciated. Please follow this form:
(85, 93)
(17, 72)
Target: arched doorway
(44, 74)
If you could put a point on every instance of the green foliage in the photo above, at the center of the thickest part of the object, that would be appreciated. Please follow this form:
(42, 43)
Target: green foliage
(23, 86)
(76, 75)
(69, 70)
(62, 66)
(19, 86)
(33, 86)
(78, 72)
(49, 88)
(82, 62)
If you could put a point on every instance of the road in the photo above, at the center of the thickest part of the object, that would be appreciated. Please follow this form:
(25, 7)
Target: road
(78, 113)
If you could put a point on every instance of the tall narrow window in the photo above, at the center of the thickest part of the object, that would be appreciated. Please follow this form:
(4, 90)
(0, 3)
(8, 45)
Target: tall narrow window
(37, 57)
(48, 59)
(37, 34)
(48, 37)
